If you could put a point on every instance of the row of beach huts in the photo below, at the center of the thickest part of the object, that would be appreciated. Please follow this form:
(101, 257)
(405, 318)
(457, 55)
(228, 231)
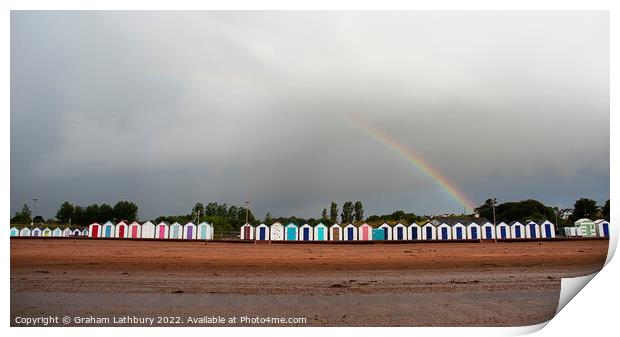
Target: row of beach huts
(433, 230)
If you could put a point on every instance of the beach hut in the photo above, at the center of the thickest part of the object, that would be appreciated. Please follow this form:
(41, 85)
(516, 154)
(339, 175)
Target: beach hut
(277, 232)
(517, 230)
(350, 232)
(399, 232)
(189, 231)
(532, 230)
(474, 231)
(85, 232)
(247, 232)
(602, 228)
(14, 231)
(76, 232)
(162, 230)
(387, 231)
(46, 232)
(364, 232)
(94, 230)
(487, 231)
(414, 232)
(547, 229)
(176, 231)
(459, 231)
(306, 233)
(107, 230)
(66, 232)
(25, 231)
(429, 231)
(585, 227)
(147, 230)
(502, 231)
(262, 232)
(444, 232)
(35, 232)
(291, 232)
(335, 232)
(321, 233)
(57, 232)
(205, 231)
(133, 230)
(121, 230)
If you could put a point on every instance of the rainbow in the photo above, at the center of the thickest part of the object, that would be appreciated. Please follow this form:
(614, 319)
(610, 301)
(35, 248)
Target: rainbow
(419, 162)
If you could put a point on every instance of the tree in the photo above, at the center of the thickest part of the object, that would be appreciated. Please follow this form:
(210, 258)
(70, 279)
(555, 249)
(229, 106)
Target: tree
(22, 217)
(485, 210)
(38, 219)
(347, 212)
(324, 215)
(106, 213)
(198, 209)
(605, 211)
(516, 211)
(584, 208)
(65, 212)
(268, 218)
(79, 216)
(333, 213)
(126, 210)
(359, 211)
(92, 213)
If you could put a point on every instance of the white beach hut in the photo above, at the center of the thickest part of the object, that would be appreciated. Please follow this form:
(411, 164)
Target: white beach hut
(532, 230)
(585, 227)
(147, 231)
(517, 230)
(335, 232)
(547, 229)
(291, 232)
(35, 232)
(459, 231)
(321, 232)
(429, 231)
(444, 232)
(364, 232)
(473, 231)
(134, 230)
(502, 231)
(205, 231)
(487, 231)
(247, 232)
(349, 232)
(46, 232)
(85, 232)
(76, 232)
(602, 228)
(57, 232)
(387, 230)
(14, 231)
(162, 230)
(189, 231)
(306, 233)
(66, 232)
(24, 231)
(276, 232)
(414, 232)
(399, 232)
(262, 232)
(121, 230)
(94, 230)
(176, 231)
(107, 230)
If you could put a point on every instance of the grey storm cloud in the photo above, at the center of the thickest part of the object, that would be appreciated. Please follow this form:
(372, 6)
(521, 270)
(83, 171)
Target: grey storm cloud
(171, 108)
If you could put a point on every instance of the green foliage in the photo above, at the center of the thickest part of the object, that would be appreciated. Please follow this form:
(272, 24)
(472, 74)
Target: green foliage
(397, 216)
(333, 213)
(65, 212)
(126, 210)
(359, 211)
(324, 217)
(605, 210)
(347, 212)
(38, 219)
(584, 208)
(22, 217)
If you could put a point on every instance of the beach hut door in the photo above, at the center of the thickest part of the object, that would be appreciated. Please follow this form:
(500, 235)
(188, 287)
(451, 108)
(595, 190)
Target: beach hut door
(320, 233)
(261, 233)
(385, 233)
(502, 232)
(399, 233)
(335, 234)
(429, 233)
(108, 231)
(121, 232)
(246, 232)
(605, 229)
(162, 232)
(190, 232)
(290, 233)
(518, 231)
(459, 233)
(414, 233)
(533, 231)
(489, 235)
(306, 234)
(444, 233)
(95, 233)
(134, 232)
(350, 233)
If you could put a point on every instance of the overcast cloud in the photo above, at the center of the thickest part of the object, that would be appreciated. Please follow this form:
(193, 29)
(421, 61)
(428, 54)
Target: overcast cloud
(167, 109)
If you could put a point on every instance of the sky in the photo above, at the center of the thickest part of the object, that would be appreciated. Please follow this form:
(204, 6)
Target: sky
(171, 108)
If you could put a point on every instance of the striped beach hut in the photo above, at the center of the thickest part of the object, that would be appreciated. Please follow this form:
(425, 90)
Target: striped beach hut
(306, 233)
(14, 231)
(134, 230)
(399, 232)
(122, 230)
(321, 233)
(94, 230)
(107, 230)
(473, 231)
(46, 232)
(585, 227)
(291, 232)
(429, 231)
(364, 232)
(547, 229)
(57, 232)
(35, 232)
(335, 232)
(176, 231)
(76, 232)
(459, 231)
(387, 229)
(205, 231)
(517, 230)
(262, 232)
(66, 232)
(189, 231)
(502, 231)
(349, 233)
(532, 230)
(487, 231)
(414, 232)
(162, 230)
(147, 230)
(602, 228)
(276, 232)
(25, 231)
(247, 232)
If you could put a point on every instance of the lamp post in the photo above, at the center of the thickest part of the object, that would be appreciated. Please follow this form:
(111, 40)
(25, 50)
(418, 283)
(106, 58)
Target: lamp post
(493, 201)
(247, 208)
(34, 203)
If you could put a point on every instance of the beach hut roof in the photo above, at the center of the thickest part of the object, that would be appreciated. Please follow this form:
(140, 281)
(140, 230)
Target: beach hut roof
(291, 224)
(514, 223)
(320, 224)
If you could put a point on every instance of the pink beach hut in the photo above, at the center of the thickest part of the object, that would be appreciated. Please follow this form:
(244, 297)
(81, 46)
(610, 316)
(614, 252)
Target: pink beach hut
(161, 231)
(365, 232)
(134, 230)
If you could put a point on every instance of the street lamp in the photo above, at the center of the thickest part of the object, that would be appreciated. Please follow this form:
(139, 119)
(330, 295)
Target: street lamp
(493, 201)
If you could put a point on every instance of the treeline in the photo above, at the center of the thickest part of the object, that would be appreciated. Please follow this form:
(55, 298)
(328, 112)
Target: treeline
(69, 213)
(223, 217)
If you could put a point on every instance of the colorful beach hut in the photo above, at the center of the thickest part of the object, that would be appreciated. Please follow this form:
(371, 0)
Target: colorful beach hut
(364, 232)
(602, 228)
(147, 231)
(66, 232)
(14, 231)
(335, 232)
(189, 231)
(205, 231)
(585, 227)
(321, 232)
(276, 232)
(247, 232)
(547, 229)
(94, 230)
(387, 229)
(487, 231)
(459, 231)
(532, 230)
(414, 232)
(46, 232)
(107, 230)
(517, 230)
(25, 231)
(76, 232)
(399, 232)
(306, 233)
(35, 232)
(473, 231)
(444, 231)
(291, 232)
(121, 230)
(350, 233)
(429, 231)
(133, 230)
(57, 232)
(176, 231)
(162, 230)
(85, 232)
(262, 232)
(502, 231)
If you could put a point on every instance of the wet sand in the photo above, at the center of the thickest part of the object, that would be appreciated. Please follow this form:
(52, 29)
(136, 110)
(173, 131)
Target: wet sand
(413, 284)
